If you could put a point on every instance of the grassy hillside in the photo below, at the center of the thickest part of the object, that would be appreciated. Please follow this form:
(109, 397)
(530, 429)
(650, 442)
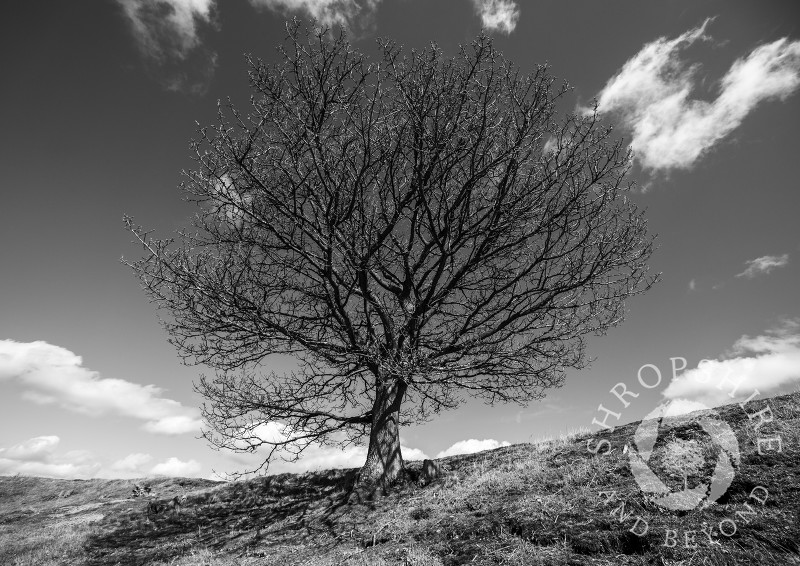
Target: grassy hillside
(550, 503)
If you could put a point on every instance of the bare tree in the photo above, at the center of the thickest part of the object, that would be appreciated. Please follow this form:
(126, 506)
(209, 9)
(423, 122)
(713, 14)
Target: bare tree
(410, 230)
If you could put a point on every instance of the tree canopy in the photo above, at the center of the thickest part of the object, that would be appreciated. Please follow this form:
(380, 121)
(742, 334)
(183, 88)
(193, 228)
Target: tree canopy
(412, 230)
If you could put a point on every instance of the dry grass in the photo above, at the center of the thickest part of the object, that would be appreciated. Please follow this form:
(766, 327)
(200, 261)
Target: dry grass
(49, 546)
(529, 504)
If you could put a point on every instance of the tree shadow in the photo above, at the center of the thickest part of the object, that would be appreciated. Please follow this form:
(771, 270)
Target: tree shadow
(241, 518)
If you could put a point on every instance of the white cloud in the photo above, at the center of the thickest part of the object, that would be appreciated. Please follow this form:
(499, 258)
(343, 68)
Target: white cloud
(763, 265)
(64, 470)
(498, 15)
(314, 457)
(167, 27)
(651, 94)
(232, 204)
(178, 424)
(317, 457)
(323, 458)
(272, 432)
(176, 468)
(766, 364)
(36, 457)
(132, 463)
(344, 13)
(410, 454)
(168, 35)
(52, 375)
(138, 465)
(550, 146)
(38, 449)
(471, 446)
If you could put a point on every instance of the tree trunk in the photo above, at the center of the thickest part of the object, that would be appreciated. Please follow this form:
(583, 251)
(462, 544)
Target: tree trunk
(384, 463)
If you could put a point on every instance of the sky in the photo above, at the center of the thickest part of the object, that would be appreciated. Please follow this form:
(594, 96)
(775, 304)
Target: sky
(100, 99)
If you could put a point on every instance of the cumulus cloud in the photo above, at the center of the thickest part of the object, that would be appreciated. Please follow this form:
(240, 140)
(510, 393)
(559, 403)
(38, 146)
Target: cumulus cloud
(52, 375)
(763, 265)
(764, 364)
(132, 463)
(471, 446)
(178, 424)
(317, 457)
(652, 96)
(314, 457)
(498, 15)
(138, 465)
(322, 458)
(410, 454)
(38, 449)
(174, 467)
(37, 457)
(345, 13)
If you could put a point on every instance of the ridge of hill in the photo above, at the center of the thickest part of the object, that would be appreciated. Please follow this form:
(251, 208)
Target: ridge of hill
(574, 500)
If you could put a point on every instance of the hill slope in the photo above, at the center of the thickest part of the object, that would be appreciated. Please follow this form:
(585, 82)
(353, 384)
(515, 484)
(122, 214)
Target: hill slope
(549, 503)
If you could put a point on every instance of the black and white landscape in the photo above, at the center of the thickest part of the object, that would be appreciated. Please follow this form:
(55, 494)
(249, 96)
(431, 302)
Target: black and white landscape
(236, 244)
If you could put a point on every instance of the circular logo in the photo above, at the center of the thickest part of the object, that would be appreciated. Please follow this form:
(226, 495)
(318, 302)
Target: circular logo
(683, 456)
